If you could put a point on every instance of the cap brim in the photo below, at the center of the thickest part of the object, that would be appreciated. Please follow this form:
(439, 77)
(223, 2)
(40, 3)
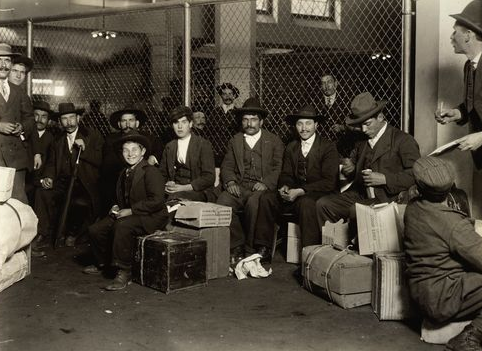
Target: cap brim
(466, 23)
(292, 119)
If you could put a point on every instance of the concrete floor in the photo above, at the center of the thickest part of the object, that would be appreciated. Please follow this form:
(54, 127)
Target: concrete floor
(59, 308)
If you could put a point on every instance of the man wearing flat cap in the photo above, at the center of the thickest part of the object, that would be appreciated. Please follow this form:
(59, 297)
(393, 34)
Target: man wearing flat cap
(21, 66)
(444, 255)
(16, 123)
(59, 170)
(187, 162)
(380, 167)
(123, 121)
(251, 167)
(467, 39)
(310, 171)
(139, 209)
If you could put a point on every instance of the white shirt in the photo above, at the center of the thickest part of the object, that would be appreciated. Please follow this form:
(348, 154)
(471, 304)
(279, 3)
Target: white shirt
(307, 144)
(226, 108)
(5, 91)
(182, 145)
(330, 100)
(251, 140)
(71, 138)
(476, 59)
(372, 142)
(40, 133)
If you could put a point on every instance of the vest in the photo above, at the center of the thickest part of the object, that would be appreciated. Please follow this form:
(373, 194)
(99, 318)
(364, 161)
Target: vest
(182, 173)
(302, 168)
(252, 165)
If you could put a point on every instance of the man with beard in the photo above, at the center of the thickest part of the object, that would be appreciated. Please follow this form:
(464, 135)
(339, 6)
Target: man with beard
(21, 65)
(124, 121)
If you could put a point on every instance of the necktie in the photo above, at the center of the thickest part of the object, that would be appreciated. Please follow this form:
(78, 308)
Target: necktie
(304, 148)
(469, 94)
(3, 90)
(70, 141)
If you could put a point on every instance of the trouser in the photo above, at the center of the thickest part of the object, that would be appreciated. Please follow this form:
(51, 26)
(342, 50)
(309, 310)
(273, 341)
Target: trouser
(247, 202)
(192, 195)
(271, 206)
(112, 240)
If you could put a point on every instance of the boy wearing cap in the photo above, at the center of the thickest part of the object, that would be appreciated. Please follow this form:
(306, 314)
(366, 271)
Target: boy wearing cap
(139, 210)
(444, 255)
(188, 161)
(310, 171)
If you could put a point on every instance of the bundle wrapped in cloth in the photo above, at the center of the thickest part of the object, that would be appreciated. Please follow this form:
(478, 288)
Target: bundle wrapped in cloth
(251, 265)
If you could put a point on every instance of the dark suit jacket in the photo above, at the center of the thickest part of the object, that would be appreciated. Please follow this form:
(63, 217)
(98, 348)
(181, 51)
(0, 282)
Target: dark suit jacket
(395, 154)
(146, 196)
(90, 161)
(272, 148)
(41, 146)
(18, 109)
(220, 128)
(199, 159)
(322, 172)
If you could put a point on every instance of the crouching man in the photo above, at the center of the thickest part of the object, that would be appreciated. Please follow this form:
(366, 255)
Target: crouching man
(444, 255)
(139, 210)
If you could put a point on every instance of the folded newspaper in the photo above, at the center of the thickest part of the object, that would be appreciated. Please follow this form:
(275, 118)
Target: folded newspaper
(445, 147)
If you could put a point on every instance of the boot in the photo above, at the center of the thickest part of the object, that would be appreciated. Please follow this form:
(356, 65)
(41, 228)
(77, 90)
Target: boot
(121, 280)
(470, 339)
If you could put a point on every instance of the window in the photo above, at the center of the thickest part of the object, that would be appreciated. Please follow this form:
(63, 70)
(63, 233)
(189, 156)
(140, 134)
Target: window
(314, 9)
(264, 7)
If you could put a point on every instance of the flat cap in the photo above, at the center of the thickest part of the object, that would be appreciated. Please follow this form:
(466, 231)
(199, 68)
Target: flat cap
(434, 177)
(180, 112)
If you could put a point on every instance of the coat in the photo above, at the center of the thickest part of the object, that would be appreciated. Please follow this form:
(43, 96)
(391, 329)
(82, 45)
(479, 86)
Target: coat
(199, 159)
(18, 109)
(220, 128)
(322, 172)
(41, 145)
(272, 148)
(146, 196)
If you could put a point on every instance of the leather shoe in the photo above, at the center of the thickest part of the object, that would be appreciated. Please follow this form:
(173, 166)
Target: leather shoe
(92, 269)
(265, 253)
(40, 241)
(470, 339)
(237, 254)
(121, 280)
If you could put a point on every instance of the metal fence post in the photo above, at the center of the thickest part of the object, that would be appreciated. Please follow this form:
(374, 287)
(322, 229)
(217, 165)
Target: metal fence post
(406, 59)
(187, 54)
(29, 54)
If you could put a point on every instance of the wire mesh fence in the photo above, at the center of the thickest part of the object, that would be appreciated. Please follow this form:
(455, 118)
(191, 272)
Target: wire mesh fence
(276, 50)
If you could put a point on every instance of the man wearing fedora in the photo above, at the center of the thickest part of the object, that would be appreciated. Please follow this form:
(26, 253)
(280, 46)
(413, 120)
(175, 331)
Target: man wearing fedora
(310, 171)
(21, 66)
(380, 167)
(251, 167)
(467, 39)
(16, 122)
(139, 209)
(187, 162)
(58, 172)
(443, 251)
(123, 121)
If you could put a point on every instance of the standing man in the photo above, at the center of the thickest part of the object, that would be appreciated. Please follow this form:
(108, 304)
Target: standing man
(21, 66)
(50, 199)
(187, 161)
(310, 171)
(467, 39)
(16, 121)
(380, 167)
(251, 167)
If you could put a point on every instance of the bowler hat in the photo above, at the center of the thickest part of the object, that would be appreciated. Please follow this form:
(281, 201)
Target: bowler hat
(116, 116)
(229, 86)
(6, 50)
(24, 60)
(68, 107)
(306, 112)
(471, 16)
(180, 112)
(251, 106)
(135, 137)
(363, 107)
(434, 177)
(42, 105)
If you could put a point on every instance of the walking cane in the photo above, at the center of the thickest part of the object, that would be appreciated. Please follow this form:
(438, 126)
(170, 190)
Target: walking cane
(65, 209)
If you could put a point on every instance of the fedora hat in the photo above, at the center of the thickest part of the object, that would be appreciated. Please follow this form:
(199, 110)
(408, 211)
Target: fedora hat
(471, 16)
(363, 107)
(68, 107)
(135, 137)
(180, 112)
(115, 117)
(306, 112)
(24, 60)
(42, 105)
(251, 106)
(223, 86)
(6, 50)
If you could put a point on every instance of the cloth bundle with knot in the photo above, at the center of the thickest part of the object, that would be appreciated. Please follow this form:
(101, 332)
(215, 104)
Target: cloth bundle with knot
(251, 266)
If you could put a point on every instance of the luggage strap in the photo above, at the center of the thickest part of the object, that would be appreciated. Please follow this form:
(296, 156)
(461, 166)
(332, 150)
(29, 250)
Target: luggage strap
(143, 240)
(16, 213)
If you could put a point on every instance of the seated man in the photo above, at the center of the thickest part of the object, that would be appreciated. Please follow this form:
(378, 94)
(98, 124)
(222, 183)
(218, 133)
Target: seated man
(187, 162)
(381, 167)
(444, 255)
(139, 210)
(251, 166)
(310, 171)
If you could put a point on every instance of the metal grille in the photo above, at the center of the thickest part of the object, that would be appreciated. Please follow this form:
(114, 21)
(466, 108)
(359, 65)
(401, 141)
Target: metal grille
(275, 54)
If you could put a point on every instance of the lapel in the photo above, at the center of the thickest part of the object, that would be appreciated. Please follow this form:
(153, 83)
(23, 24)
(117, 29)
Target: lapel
(478, 75)
(383, 145)
(238, 152)
(171, 158)
(361, 158)
(191, 147)
(295, 153)
(138, 175)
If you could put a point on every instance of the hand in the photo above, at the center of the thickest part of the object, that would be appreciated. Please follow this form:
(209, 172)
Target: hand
(114, 210)
(348, 166)
(292, 194)
(37, 161)
(152, 160)
(259, 187)
(470, 142)
(7, 127)
(18, 129)
(172, 187)
(123, 213)
(233, 188)
(80, 143)
(47, 183)
(373, 178)
(283, 190)
(338, 128)
(447, 115)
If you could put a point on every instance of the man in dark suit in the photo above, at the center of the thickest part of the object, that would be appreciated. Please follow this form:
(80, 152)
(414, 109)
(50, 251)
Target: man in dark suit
(139, 210)
(59, 170)
(187, 162)
(251, 167)
(467, 39)
(16, 121)
(310, 171)
(380, 167)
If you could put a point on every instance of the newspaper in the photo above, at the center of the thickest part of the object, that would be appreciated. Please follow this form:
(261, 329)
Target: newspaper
(445, 147)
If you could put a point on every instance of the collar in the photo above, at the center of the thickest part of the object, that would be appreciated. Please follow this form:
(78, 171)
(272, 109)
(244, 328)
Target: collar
(251, 140)
(227, 108)
(40, 133)
(73, 134)
(184, 141)
(372, 142)
(309, 142)
(476, 59)
(330, 99)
